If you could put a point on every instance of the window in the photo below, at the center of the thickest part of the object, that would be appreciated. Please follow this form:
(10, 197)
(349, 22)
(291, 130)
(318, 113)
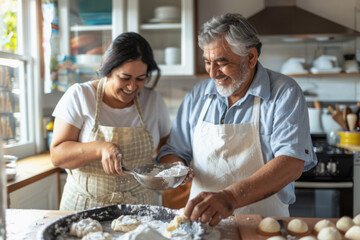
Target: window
(19, 109)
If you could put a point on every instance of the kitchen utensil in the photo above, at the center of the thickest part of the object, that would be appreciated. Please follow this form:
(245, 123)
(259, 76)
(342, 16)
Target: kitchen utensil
(315, 121)
(172, 55)
(10, 162)
(338, 116)
(293, 66)
(317, 104)
(284, 232)
(351, 121)
(350, 64)
(143, 175)
(325, 64)
(349, 138)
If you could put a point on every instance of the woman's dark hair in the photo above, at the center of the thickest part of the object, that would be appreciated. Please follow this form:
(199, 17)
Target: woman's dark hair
(129, 46)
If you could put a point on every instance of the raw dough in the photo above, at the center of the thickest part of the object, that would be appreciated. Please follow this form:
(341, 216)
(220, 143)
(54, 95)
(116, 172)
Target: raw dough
(97, 236)
(84, 227)
(276, 238)
(329, 233)
(125, 223)
(308, 238)
(356, 219)
(353, 233)
(297, 226)
(323, 224)
(344, 223)
(175, 223)
(269, 225)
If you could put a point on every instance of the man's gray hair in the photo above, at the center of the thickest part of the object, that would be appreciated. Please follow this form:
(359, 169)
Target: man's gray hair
(238, 32)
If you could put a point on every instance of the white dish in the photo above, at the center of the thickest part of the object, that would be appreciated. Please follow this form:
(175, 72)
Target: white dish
(329, 70)
(164, 20)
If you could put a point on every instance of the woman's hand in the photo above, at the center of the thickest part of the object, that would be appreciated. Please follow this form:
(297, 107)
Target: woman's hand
(111, 159)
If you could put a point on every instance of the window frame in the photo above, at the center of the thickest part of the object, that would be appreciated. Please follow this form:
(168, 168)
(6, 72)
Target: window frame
(29, 43)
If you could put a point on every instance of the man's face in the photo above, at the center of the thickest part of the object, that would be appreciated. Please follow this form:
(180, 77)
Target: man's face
(228, 69)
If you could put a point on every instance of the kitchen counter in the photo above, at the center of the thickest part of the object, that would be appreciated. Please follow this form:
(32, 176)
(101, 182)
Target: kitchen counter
(32, 169)
(25, 224)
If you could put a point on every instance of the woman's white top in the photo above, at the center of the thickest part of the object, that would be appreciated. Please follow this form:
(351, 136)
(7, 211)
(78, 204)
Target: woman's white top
(78, 108)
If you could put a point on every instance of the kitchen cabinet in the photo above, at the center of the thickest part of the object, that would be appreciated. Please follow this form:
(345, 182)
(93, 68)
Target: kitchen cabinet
(87, 28)
(164, 34)
(42, 194)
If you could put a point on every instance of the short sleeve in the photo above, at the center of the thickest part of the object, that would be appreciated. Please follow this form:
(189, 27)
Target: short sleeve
(69, 106)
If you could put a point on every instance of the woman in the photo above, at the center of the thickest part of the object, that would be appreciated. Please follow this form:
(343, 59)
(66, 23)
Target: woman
(103, 125)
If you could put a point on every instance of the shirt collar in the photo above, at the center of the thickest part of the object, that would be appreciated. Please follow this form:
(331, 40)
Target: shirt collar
(260, 85)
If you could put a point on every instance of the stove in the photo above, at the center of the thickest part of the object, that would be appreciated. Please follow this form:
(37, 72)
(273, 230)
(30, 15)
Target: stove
(335, 164)
(328, 189)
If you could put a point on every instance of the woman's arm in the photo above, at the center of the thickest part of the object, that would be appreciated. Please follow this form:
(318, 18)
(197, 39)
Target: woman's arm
(67, 152)
(161, 143)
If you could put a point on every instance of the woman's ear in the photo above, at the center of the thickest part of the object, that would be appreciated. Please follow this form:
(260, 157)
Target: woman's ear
(253, 57)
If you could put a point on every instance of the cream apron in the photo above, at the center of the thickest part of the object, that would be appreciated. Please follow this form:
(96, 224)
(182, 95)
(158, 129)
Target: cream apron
(89, 186)
(228, 153)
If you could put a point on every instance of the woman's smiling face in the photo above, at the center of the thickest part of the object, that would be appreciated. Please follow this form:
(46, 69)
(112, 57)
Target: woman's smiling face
(124, 83)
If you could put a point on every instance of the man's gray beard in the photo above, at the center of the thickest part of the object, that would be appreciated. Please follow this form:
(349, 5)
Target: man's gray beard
(228, 91)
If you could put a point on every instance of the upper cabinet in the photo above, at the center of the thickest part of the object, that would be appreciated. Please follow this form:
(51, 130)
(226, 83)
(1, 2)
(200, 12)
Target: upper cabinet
(169, 28)
(86, 30)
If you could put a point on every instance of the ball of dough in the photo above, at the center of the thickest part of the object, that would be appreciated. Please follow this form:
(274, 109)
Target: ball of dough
(323, 224)
(269, 225)
(308, 238)
(329, 233)
(276, 238)
(125, 223)
(297, 226)
(356, 219)
(344, 223)
(353, 233)
(97, 236)
(85, 226)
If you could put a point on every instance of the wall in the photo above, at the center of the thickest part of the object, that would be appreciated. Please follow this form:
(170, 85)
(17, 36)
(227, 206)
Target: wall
(273, 55)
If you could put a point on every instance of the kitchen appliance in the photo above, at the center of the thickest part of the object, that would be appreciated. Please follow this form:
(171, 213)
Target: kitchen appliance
(281, 20)
(327, 190)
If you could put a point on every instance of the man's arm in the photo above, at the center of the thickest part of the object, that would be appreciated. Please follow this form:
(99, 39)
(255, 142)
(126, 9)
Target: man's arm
(268, 180)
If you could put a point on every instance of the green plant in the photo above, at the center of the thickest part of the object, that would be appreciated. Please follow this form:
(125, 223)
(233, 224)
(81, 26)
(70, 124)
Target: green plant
(9, 36)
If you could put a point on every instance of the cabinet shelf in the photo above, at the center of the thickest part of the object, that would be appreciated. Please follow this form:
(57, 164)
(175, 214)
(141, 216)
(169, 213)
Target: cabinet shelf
(323, 74)
(165, 26)
(82, 28)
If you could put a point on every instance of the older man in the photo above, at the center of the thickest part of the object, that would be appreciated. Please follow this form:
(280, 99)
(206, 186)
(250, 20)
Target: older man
(246, 130)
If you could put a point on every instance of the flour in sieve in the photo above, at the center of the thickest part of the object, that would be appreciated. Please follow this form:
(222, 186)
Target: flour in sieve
(175, 171)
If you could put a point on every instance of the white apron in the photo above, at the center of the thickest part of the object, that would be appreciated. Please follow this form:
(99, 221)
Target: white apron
(89, 186)
(228, 153)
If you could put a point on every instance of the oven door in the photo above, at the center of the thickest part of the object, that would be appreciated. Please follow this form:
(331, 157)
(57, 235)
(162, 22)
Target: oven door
(322, 199)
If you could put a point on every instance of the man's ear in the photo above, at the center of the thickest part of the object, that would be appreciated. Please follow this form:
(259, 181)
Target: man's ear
(253, 57)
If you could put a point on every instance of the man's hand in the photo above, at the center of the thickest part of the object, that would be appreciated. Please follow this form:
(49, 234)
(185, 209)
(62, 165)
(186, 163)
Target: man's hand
(210, 207)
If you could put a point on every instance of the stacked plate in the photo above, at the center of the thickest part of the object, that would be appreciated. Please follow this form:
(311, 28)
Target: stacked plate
(166, 14)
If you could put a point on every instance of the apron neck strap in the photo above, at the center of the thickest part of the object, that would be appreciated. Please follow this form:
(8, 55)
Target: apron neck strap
(256, 111)
(206, 107)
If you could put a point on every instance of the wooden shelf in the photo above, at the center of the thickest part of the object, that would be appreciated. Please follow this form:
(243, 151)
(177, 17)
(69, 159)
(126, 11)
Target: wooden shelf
(323, 74)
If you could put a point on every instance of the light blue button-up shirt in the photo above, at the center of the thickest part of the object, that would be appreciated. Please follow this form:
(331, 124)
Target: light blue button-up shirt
(284, 122)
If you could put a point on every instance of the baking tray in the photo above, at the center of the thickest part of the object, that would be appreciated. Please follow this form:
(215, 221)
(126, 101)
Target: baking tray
(59, 228)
